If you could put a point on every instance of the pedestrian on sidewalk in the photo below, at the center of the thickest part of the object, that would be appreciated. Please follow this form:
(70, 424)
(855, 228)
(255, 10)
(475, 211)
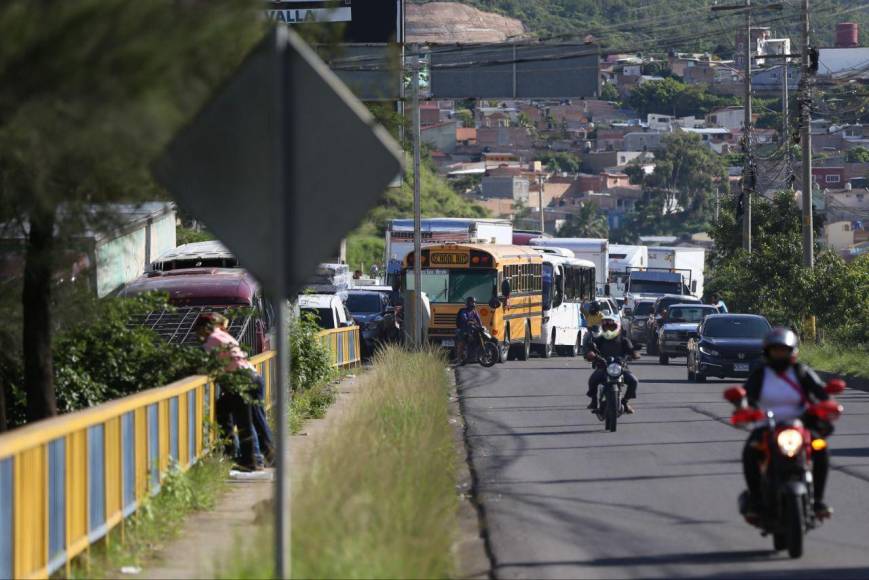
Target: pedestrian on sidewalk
(239, 405)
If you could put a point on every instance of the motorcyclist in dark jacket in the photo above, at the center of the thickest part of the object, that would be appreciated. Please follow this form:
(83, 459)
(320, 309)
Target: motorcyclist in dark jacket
(466, 319)
(611, 343)
(785, 387)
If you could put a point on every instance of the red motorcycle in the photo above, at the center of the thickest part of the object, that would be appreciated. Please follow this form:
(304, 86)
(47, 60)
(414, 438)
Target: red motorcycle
(786, 467)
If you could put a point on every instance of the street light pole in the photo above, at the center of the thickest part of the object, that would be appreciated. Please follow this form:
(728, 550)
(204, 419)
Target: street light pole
(540, 203)
(806, 142)
(746, 136)
(417, 211)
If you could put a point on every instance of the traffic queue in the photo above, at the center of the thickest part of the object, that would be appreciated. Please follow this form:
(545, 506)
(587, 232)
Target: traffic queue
(488, 302)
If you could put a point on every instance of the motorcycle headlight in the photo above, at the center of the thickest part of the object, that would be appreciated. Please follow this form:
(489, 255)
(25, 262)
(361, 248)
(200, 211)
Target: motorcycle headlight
(708, 351)
(614, 369)
(790, 441)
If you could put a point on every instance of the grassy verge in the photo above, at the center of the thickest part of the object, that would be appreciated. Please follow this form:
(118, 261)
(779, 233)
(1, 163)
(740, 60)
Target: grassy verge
(835, 358)
(379, 500)
(310, 404)
(159, 520)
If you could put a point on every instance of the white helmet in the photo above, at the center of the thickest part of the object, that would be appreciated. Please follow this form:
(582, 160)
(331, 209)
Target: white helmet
(610, 327)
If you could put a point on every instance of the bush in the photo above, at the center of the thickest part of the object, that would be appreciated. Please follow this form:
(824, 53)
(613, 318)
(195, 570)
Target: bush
(105, 358)
(311, 361)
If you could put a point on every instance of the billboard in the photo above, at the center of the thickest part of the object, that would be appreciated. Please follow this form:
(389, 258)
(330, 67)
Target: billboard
(516, 70)
(371, 32)
(364, 21)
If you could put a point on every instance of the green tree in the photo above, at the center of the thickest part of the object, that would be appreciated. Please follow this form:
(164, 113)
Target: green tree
(857, 155)
(588, 222)
(772, 280)
(90, 91)
(609, 92)
(561, 161)
(672, 97)
(466, 117)
(686, 174)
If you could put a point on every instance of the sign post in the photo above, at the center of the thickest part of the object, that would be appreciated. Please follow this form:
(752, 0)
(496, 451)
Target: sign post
(256, 166)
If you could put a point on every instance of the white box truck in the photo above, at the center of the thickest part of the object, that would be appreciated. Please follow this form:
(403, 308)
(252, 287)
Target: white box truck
(623, 259)
(595, 250)
(688, 261)
(399, 235)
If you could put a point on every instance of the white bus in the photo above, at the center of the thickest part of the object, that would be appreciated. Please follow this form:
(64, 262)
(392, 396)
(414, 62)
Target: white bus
(567, 283)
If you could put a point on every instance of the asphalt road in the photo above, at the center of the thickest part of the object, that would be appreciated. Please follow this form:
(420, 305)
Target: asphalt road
(563, 498)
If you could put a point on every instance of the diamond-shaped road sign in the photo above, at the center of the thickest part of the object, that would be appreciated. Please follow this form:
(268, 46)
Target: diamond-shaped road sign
(281, 163)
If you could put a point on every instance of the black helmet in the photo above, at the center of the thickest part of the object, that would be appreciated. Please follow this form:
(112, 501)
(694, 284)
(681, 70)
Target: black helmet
(781, 336)
(594, 308)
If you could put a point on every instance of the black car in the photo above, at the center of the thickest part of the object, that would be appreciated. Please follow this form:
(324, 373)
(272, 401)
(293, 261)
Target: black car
(634, 321)
(727, 345)
(659, 315)
(369, 310)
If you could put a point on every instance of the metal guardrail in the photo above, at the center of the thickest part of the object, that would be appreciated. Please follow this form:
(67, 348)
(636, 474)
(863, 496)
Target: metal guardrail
(65, 482)
(344, 345)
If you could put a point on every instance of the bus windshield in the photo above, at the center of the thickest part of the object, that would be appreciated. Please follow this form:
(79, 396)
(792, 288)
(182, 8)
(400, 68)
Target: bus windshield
(455, 286)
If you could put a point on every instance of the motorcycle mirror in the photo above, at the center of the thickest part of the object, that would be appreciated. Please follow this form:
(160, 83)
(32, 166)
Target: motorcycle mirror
(835, 386)
(494, 303)
(734, 394)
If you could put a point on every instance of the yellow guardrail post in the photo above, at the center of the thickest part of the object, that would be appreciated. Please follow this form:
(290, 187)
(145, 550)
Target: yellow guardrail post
(344, 345)
(65, 482)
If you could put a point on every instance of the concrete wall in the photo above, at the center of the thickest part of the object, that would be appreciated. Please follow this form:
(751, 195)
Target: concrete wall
(122, 258)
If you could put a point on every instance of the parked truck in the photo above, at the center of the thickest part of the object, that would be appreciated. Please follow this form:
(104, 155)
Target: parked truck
(595, 250)
(399, 235)
(688, 261)
(623, 259)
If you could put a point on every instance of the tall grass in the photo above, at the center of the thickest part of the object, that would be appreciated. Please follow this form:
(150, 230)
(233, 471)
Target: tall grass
(378, 499)
(835, 358)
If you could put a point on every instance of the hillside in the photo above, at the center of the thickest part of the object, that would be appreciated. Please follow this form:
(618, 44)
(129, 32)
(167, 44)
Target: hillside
(655, 25)
(451, 22)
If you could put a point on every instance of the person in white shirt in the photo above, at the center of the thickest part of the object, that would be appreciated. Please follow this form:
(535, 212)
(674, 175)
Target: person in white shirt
(785, 387)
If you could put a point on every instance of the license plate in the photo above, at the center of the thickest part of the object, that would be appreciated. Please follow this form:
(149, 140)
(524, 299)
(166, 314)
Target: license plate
(740, 367)
(448, 342)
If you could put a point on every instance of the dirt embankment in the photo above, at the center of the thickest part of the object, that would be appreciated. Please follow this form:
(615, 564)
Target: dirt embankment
(451, 23)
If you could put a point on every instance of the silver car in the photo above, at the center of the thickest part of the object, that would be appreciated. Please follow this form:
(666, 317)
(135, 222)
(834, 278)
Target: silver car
(681, 325)
(634, 322)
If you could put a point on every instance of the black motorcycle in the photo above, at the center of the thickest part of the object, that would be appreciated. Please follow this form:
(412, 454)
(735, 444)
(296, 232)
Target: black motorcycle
(786, 470)
(480, 346)
(610, 392)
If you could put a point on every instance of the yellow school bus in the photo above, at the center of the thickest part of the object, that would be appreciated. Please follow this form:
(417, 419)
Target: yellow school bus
(507, 282)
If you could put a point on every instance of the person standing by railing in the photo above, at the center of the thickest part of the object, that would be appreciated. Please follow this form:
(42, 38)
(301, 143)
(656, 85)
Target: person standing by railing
(233, 409)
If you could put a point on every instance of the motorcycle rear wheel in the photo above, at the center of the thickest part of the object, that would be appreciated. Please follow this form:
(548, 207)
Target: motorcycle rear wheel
(795, 520)
(611, 412)
(489, 355)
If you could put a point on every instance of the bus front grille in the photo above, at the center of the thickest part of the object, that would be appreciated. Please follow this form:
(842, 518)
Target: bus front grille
(444, 320)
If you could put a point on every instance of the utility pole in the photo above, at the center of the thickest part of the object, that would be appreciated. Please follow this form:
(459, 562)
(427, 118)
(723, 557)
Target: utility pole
(417, 211)
(785, 112)
(540, 203)
(747, 177)
(806, 142)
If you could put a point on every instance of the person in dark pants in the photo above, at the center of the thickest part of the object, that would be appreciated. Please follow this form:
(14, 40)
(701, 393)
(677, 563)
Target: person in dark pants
(233, 411)
(265, 443)
(611, 343)
(785, 387)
